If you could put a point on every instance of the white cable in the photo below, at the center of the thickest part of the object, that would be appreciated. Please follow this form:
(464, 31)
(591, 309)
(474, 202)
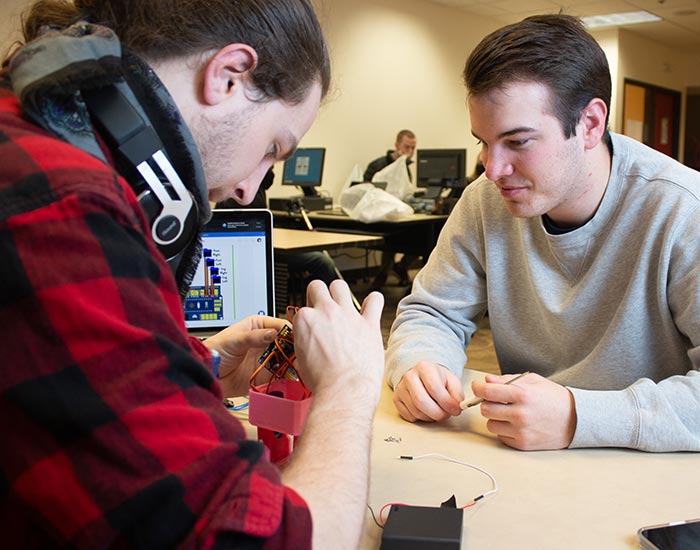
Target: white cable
(450, 459)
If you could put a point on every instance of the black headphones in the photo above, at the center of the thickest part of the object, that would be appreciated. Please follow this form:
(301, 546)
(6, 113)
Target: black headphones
(170, 208)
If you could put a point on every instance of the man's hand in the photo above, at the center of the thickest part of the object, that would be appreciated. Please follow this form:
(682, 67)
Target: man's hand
(428, 392)
(240, 345)
(339, 349)
(341, 358)
(530, 414)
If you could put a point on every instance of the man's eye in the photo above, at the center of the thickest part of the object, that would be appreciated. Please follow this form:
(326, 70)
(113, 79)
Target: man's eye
(518, 142)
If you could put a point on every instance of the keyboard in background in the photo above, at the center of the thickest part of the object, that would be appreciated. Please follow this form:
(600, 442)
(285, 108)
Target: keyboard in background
(331, 212)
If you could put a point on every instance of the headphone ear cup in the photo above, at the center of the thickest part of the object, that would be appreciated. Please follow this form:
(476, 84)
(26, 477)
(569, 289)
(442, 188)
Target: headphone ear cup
(171, 209)
(153, 208)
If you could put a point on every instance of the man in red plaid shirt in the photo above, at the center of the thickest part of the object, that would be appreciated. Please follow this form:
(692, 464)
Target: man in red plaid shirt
(114, 431)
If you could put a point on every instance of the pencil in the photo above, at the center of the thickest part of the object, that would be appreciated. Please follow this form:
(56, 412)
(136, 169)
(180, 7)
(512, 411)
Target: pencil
(478, 400)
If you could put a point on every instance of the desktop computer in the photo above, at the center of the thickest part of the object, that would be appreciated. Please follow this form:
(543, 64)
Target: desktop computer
(304, 169)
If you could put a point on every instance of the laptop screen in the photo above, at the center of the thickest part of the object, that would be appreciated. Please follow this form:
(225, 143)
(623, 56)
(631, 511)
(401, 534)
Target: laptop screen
(235, 277)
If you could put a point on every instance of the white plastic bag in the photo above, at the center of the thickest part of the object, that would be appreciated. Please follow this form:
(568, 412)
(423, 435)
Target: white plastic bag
(367, 203)
(396, 177)
(355, 175)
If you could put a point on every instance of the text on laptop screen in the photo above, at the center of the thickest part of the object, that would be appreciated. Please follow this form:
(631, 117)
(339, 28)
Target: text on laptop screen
(230, 282)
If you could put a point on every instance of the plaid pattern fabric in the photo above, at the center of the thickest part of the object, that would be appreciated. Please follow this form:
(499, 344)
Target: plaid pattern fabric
(114, 431)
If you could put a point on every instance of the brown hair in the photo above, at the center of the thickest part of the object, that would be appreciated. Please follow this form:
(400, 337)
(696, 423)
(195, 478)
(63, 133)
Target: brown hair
(555, 50)
(404, 133)
(286, 34)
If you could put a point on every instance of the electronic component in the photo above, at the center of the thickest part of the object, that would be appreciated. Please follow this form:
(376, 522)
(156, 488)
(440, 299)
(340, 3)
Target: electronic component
(422, 528)
(278, 356)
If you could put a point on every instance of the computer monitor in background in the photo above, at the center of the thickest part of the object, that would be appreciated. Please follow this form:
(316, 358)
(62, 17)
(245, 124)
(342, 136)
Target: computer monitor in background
(441, 168)
(305, 169)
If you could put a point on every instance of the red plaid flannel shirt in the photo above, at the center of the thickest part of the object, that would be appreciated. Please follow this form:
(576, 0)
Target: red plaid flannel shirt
(114, 434)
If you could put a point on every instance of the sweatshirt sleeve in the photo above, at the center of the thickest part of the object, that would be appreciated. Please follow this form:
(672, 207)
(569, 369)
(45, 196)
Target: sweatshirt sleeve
(436, 321)
(646, 416)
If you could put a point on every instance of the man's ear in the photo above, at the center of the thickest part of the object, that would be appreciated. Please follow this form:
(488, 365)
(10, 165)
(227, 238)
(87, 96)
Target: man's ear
(228, 72)
(593, 121)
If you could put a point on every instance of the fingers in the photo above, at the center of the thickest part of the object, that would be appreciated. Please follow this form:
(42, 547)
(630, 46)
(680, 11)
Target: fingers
(506, 433)
(533, 414)
(404, 411)
(236, 341)
(417, 406)
(441, 402)
(501, 429)
(340, 292)
(253, 322)
(455, 389)
(260, 337)
(316, 291)
(428, 392)
(495, 389)
(372, 306)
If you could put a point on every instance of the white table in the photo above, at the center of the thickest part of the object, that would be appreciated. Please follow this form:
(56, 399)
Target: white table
(592, 499)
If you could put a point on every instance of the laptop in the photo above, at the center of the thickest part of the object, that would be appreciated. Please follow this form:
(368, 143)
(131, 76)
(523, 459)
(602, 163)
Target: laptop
(235, 277)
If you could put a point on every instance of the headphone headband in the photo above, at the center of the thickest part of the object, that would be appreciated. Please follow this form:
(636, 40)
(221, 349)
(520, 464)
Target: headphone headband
(126, 132)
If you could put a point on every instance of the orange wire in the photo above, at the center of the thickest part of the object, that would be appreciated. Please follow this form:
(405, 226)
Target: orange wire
(285, 362)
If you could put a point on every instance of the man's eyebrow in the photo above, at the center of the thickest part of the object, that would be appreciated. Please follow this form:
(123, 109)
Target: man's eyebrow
(518, 130)
(292, 144)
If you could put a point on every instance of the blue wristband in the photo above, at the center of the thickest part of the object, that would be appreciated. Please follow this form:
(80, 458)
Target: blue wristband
(215, 360)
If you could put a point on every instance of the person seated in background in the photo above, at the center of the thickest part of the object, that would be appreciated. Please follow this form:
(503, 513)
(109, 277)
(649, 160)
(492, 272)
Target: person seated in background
(312, 265)
(583, 246)
(405, 145)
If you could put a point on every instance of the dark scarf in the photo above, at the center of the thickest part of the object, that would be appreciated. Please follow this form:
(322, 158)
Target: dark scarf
(48, 75)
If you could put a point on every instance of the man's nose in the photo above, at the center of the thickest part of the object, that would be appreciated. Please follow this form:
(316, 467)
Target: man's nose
(245, 190)
(497, 165)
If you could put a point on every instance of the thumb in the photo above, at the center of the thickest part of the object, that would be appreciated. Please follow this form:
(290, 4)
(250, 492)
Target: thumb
(454, 387)
(258, 338)
(241, 342)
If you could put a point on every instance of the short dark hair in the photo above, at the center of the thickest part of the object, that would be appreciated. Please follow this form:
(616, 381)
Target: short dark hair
(555, 50)
(404, 133)
(286, 34)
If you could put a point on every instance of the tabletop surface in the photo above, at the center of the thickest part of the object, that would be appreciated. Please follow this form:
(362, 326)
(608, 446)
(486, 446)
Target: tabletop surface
(573, 499)
(547, 500)
(299, 240)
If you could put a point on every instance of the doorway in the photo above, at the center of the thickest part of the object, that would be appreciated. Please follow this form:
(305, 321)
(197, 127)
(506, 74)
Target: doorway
(691, 156)
(651, 114)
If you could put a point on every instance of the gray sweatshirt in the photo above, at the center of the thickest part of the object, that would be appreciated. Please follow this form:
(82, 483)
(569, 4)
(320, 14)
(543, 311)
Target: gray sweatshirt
(611, 310)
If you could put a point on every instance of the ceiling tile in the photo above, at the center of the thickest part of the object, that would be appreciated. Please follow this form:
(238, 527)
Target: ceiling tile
(677, 30)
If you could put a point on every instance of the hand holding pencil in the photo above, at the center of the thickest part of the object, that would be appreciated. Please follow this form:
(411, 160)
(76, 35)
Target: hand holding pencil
(478, 400)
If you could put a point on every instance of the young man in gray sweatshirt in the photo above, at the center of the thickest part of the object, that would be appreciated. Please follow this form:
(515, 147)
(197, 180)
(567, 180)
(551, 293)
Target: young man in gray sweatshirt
(584, 248)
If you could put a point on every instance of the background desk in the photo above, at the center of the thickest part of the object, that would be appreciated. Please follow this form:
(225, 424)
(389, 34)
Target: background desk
(289, 290)
(415, 234)
(289, 241)
(592, 499)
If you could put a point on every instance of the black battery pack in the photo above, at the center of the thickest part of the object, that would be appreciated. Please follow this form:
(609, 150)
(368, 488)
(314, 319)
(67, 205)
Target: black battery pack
(422, 528)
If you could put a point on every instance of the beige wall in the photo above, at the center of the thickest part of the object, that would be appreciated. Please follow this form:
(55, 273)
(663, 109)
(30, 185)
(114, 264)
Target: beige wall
(609, 42)
(10, 23)
(398, 63)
